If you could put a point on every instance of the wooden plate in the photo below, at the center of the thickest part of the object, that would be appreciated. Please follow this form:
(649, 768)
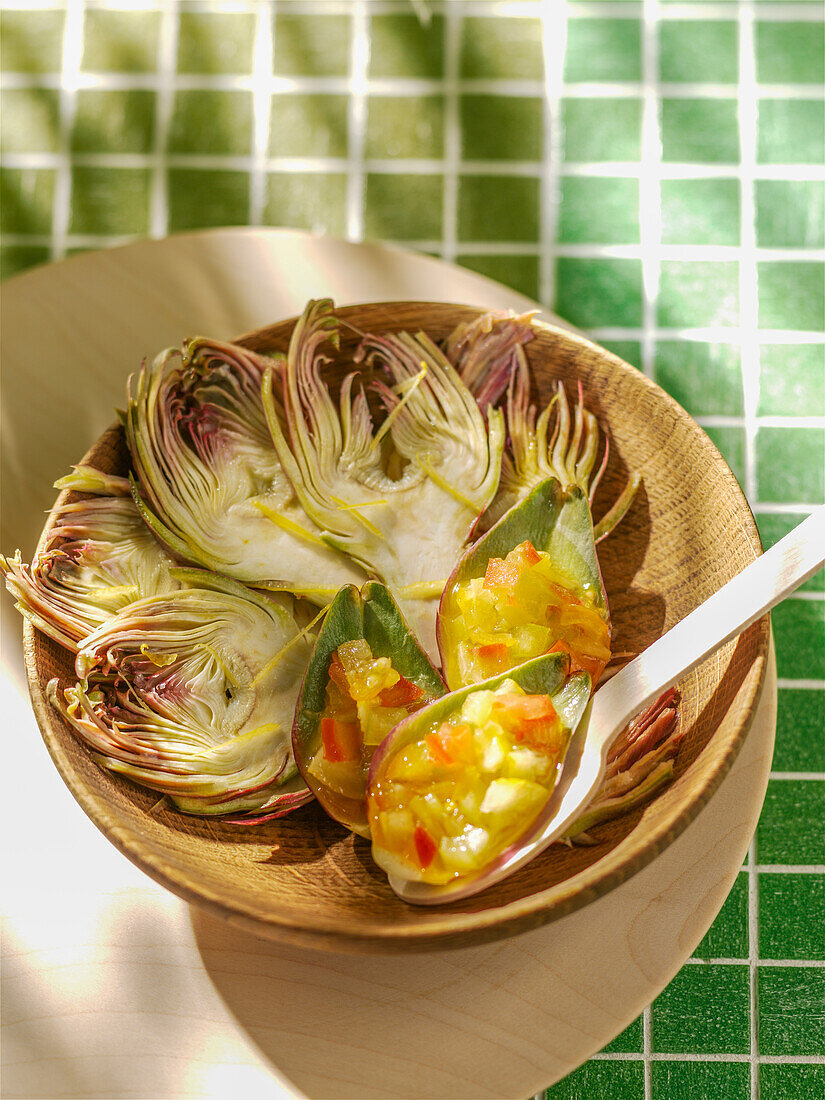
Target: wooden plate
(303, 879)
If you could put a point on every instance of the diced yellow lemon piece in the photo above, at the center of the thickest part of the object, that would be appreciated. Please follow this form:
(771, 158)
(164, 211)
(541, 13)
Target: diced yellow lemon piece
(513, 800)
(462, 853)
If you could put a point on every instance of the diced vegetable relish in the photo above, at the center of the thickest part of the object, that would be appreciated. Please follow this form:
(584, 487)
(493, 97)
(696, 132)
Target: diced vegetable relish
(447, 803)
(521, 608)
(366, 698)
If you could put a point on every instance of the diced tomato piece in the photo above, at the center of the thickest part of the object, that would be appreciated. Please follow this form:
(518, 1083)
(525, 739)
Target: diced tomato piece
(512, 710)
(401, 694)
(341, 740)
(492, 658)
(449, 744)
(579, 662)
(528, 553)
(425, 846)
(504, 573)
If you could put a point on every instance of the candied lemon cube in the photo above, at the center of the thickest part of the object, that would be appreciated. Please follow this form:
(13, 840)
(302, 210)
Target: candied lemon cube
(512, 800)
(463, 852)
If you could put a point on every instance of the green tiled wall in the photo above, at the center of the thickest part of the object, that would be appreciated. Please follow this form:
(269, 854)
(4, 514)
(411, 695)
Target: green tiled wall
(661, 186)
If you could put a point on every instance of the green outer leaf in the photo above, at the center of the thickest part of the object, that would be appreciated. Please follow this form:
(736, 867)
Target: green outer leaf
(371, 614)
(556, 521)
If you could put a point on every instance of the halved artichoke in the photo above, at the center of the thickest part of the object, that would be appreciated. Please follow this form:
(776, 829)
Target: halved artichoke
(211, 484)
(192, 694)
(454, 788)
(366, 674)
(532, 583)
(99, 558)
(407, 527)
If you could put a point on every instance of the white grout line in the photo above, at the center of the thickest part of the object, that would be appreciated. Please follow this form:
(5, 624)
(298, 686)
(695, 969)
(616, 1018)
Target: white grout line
(357, 119)
(261, 110)
(650, 194)
(764, 1059)
(689, 170)
(753, 964)
(452, 132)
(814, 776)
(810, 964)
(72, 53)
(167, 64)
(700, 9)
(791, 869)
(803, 685)
(748, 270)
(554, 50)
(647, 1052)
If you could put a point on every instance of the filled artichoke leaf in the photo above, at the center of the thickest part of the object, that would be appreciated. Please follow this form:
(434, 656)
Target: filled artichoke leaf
(455, 787)
(366, 673)
(192, 694)
(99, 557)
(401, 498)
(531, 584)
(210, 483)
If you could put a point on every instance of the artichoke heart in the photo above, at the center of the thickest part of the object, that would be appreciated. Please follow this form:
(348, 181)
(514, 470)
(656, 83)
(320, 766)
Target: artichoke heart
(210, 482)
(405, 518)
(192, 695)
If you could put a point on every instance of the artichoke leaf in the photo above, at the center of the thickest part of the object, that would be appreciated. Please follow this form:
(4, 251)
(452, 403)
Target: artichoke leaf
(210, 482)
(182, 693)
(99, 557)
(408, 529)
(557, 522)
(371, 615)
(483, 351)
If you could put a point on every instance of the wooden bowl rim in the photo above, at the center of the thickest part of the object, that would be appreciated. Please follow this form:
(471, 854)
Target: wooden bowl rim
(453, 929)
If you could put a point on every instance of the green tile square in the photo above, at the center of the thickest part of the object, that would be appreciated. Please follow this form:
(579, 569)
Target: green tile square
(791, 1082)
(602, 129)
(629, 350)
(211, 122)
(603, 49)
(598, 211)
(789, 465)
(792, 295)
(792, 917)
(694, 51)
(407, 208)
(31, 41)
(311, 45)
(498, 48)
(215, 42)
(495, 127)
(629, 1041)
(706, 378)
(790, 828)
(700, 211)
(498, 208)
(26, 199)
(727, 937)
(791, 1010)
(602, 1079)
(731, 445)
(799, 633)
(800, 745)
(790, 214)
(31, 120)
(308, 125)
(110, 201)
(792, 380)
(790, 131)
(15, 258)
(704, 1010)
(697, 293)
(705, 131)
(790, 53)
(206, 199)
(113, 121)
(599, 293)
(402, 45)
(316, 201)
(519, 272)
(772, 529)
(405, 126)
(120, 41)
(700, 1081)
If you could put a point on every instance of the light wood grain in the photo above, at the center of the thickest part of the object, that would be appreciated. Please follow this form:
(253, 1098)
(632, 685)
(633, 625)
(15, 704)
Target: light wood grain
(302, 879)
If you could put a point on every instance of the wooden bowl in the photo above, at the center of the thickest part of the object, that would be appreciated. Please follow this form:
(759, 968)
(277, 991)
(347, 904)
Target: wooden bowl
(303, 878)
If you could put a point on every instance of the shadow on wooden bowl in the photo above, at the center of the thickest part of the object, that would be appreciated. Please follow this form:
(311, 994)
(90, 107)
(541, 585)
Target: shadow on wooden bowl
(303, 879)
